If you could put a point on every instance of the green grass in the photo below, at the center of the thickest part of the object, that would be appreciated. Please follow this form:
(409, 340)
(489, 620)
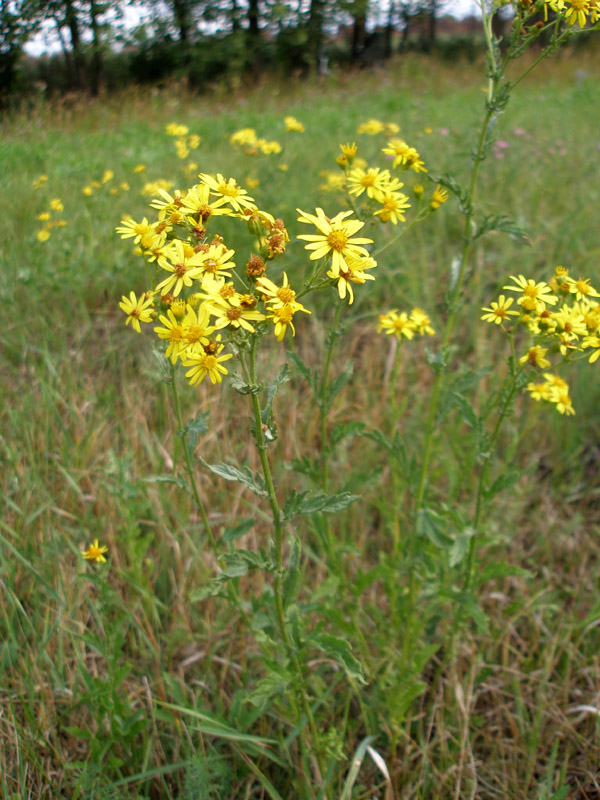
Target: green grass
(112, 682)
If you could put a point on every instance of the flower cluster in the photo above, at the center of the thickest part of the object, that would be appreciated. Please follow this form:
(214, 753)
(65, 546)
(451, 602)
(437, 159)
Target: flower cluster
(251, 144)
(49, 223)
(201, 300)
(184, 140)
(405, 326)
(575, 11)
(561, 317)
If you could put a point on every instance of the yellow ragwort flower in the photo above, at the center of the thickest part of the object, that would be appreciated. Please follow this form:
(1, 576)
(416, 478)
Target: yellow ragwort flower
(95, 552)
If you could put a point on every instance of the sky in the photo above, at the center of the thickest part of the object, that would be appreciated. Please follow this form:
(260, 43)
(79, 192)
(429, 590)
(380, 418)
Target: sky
(46, 41)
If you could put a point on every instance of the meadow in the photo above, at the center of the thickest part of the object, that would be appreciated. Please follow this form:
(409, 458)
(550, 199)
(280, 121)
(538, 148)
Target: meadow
(131, 678)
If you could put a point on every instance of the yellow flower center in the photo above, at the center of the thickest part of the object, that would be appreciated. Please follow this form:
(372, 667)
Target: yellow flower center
(579, 5)
(286, 295)
(233, 313)
(176, 334)
(228, 190)
(227, 291)
(194, 333)
(367, 180)
(210, 265)
(582, 286)
(209, 363)
(530, 290)
(285, 314)
(337, 240)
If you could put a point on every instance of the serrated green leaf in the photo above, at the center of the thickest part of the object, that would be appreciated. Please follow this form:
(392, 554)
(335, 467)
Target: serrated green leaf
(502, 224)
(303, 503)
(338, 384)
(309, 375)
(340, 651)
(240, 385)
(276, 682)
(233, 532)
(432, 525)
(228, 472)
(343, 431)
(503, 482)
(194, 429)
(176, 479)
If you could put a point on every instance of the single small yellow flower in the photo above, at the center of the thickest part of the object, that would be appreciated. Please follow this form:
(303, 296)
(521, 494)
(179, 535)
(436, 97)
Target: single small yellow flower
(499, 311)
(95, 552)
(44, 216)
(536, 357)
(56, 204)
(292, 124)
(439, 196)
(398, 325)
(137, 310)
(43, 235)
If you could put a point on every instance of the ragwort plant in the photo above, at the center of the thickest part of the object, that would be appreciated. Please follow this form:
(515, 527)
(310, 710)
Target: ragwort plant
(213, 311)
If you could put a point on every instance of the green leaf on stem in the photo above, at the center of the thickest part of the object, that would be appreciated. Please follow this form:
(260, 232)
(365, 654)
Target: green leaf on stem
(303, 503)
(242, 386)
(338, 384)
(276, 682)
(340, 651)
(433, 526)
(176, 479)
(194, 429)
(502, 224)
(256, 482)
(309, 375)
(234, 532)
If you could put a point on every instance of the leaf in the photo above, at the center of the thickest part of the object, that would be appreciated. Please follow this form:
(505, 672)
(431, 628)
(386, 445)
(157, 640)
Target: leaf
(238, 383)
(502, 482)
(338, 384)
(393, 446)
(233, 532)
(163, 365)
(256, 483)
(357, 760)
(303, 503)
(194, 429)
(432, 525)
(502, 224)
(340, 651)
(276, 682)
(308, 374)
(343, 431)
(266, 415)
(176, 479)
(460, 546)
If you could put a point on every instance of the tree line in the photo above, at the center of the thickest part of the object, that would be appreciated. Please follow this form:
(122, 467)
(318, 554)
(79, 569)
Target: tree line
(202, 39)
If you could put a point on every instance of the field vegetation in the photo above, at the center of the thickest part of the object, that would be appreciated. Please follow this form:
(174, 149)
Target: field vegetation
(127, 678)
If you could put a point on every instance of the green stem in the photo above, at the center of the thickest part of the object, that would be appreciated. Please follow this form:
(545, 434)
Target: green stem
(190, 465)
(453, 306)
(483, 476)
(250, 373)
(324, 396)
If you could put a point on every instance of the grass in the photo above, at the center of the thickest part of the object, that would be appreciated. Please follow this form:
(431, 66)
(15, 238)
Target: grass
(114, 683)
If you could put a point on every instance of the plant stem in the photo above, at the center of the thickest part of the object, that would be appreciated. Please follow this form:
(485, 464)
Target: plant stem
(261, 444)
(483, 475)
(190, 465)
(333, 335)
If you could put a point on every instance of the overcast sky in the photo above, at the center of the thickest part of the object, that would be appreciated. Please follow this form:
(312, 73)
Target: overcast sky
(47, 40)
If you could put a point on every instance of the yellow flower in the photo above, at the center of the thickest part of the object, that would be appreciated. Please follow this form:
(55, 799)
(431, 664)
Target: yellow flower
(228, 191)
(43, 235)
(335, 238)
(206, 363)
(108, 175)
(172, 332)
(592, 341)
(230, 311)
(394, 204)
(282, 316)
(499, 311)
(88, 191)
(44, 216)
(173, 129)
(396, 324)
(137, 310)
(182, 262)
(534, 296)
(439, 196)
(372, 127)
(193, 141)
(372, 180)
(581, 288)
(349, 150)
(139, 168)
(292, 124)
(422, 322)
(536, 357)
(56, 204)
(130, 229)
(95, 552)
(277, 296)
(352, 272)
